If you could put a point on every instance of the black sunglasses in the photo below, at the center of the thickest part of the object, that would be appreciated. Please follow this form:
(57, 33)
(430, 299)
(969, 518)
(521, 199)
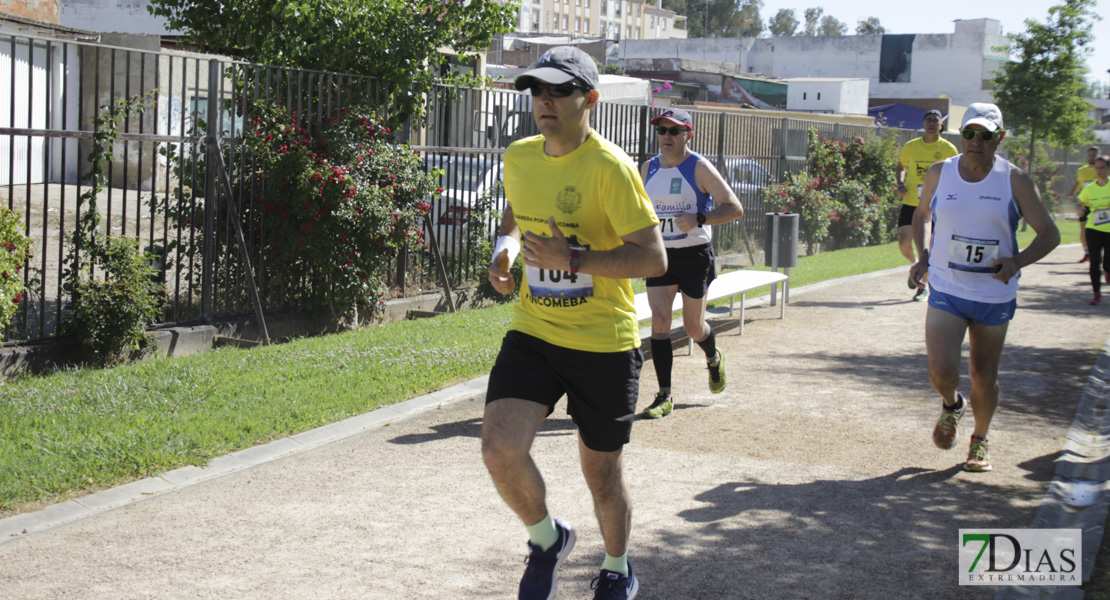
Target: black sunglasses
(561, 90)
(969, 134)
(671, 130)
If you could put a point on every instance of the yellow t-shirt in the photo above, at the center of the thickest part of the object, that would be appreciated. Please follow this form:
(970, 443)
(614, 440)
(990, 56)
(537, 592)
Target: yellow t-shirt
(1085, 174)
(596, 196)
(917, 157)
(1098, 198)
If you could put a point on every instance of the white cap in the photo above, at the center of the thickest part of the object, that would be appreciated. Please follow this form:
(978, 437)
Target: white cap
(985, 114)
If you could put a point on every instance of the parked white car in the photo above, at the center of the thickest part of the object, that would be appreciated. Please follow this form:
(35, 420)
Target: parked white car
(464, 179)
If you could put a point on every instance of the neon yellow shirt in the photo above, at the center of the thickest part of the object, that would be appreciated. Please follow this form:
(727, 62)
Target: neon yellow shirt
(917, 157)
(1098, 198)
(1085, 175)
(596, 196)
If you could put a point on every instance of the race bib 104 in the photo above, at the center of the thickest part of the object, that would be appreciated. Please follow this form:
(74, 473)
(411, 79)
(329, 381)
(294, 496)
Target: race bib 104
(553, 283)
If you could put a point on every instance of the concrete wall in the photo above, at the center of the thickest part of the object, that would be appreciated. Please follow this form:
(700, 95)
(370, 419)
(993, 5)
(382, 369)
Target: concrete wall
(126, 16)
(39, 10)
(721, 50)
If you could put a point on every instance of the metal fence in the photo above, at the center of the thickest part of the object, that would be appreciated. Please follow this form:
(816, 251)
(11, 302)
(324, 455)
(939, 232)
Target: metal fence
(201, 103)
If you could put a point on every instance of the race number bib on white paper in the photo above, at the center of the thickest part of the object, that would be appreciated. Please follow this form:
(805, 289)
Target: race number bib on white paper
(667, 227)
(548, 283)
(1101, 217)
(971, 254)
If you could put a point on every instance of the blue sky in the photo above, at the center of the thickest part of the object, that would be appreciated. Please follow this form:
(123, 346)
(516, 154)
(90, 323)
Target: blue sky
(936, 16)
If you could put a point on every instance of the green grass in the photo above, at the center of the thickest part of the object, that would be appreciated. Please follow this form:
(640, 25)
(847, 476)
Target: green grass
(84, 429)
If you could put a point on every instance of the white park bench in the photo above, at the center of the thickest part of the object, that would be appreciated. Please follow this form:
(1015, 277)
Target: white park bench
(728, 285)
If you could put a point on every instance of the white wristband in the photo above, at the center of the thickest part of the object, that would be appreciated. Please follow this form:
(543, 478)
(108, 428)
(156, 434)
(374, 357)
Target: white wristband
(506, 242)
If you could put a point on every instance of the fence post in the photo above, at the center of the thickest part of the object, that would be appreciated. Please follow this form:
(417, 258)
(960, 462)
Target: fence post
(643, 135)
(211, 193)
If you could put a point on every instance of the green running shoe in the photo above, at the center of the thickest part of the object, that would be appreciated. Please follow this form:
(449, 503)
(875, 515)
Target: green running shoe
(978, 456)
(662, 406)
(717, 378)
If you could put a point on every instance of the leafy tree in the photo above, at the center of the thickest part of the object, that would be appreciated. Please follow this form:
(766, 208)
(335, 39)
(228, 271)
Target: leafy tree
(395, 41)
(869, 26)
(749, 23)
(783, 24)
(813, 20)
(830, 25)
(1040, 91)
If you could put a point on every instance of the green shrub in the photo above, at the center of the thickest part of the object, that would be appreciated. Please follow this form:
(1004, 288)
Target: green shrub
(859, 216)
(1045, 171)
(14, 254)
(111, 315)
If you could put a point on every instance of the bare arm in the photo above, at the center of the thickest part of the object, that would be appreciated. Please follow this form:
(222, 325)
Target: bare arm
(900, 179)
(641, 255)
(922, 217)
(1028, 199)
(709, 180)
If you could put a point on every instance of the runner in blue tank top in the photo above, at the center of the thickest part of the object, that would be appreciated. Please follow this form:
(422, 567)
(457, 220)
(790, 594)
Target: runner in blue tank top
(973, 203)
(683, 186)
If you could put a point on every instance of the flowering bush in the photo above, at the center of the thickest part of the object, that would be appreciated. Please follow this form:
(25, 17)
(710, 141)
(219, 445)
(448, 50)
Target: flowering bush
(15, 251)
(848, 198)
(332, 206)
(802, 194)
(858, 218)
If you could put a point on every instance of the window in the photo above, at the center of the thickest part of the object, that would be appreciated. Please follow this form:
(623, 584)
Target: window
(803, 95)
(604, 7)
(578, 23)
(818, 95)
(628, 32)
(652, 21)
(664, 20)
(566, 21)
(638, 36)
(601, 30)
(896, 58)
(587, 3)
(638, 6)
(535, 19)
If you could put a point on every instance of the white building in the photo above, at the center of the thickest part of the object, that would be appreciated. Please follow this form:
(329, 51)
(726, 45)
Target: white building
(827, 95)
(606, 19)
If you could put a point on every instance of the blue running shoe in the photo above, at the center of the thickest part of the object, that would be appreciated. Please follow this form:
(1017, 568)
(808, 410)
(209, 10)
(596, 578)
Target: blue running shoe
(614, 586)
(540, 578)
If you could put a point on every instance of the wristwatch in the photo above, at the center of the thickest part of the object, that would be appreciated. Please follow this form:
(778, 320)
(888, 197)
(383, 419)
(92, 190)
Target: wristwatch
(575, 261)
(701, 219)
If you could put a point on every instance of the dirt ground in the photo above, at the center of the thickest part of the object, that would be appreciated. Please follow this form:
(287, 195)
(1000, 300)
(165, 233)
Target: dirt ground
(812, 476)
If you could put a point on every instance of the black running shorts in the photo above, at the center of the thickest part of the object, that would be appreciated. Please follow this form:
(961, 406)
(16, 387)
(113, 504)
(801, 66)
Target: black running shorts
(691, 269)
(601, 387)
(905, 218)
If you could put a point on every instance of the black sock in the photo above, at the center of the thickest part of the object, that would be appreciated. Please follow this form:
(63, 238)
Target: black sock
(955, 407)
(663, 357)
(709, 346)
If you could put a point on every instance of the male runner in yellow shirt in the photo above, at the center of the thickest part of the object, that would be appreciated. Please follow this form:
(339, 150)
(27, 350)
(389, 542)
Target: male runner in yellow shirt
(1085, 175)
(917, 156)
(578, 213)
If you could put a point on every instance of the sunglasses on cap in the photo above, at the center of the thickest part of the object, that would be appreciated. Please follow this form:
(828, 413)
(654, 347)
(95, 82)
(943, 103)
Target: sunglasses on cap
(986, 136)
(671, 130)
(561, 90)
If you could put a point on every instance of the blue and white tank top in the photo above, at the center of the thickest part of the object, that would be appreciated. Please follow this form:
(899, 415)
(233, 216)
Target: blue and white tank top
(973, 223)
(674, 191)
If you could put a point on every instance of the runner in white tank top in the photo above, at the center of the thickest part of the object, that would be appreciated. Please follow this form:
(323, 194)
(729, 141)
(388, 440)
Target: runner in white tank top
(683, 186)
(972, 265)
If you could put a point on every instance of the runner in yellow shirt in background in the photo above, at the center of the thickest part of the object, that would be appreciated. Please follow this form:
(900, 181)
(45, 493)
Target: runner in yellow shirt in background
(1085, 175)
(917, 156)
